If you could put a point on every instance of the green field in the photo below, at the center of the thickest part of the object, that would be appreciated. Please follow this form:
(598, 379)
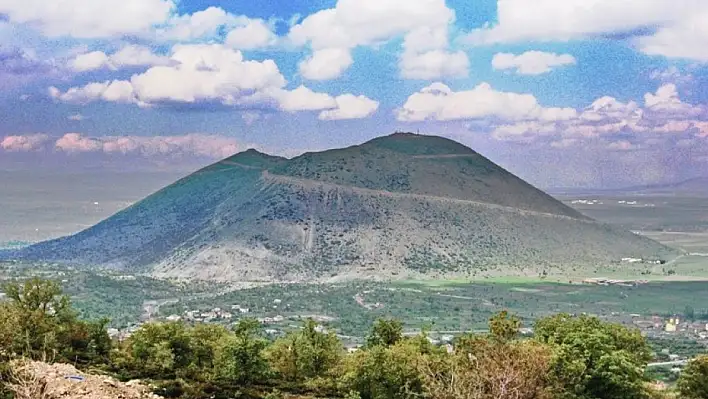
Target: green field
(454, 305)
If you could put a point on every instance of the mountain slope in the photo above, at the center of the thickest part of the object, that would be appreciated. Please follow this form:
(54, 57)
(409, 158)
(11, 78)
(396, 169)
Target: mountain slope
(397, 206)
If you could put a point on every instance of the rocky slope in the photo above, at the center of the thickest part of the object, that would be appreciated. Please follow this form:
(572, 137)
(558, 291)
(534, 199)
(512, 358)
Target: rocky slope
(401, 206)
(37, 380)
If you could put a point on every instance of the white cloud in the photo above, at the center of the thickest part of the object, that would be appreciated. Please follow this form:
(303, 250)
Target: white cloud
(137, 56)
(531, 62)
(326, 64)
(89, 19)
(90, 61)
(345, 106)
(350, 106)
(685, 38)
(254, 34)
(244, 33)
(522, 20)
(196, 73)
(434, 64)
(678, 26)
(622, 126)
(128, 56)
(304, 99)
(215, 73)
(353, 23)
(30, 142)
(201, 24)
(76, 117)
(438, 102)
(206, 73)
(113, 91)
(525, 131)
(665, 103)
(201, 145)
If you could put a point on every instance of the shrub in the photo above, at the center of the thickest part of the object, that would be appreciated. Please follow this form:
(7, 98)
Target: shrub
(693, 383)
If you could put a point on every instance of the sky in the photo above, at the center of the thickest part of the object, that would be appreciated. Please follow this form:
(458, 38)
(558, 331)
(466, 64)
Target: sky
(572, 93)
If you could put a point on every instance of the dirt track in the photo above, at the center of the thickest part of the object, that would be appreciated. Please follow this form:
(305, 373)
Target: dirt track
(309, 183)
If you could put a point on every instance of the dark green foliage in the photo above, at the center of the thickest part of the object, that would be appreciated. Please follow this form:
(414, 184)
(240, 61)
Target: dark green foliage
(306, 354)
(693, 383)
(594, 359)
(159, 350)
(39, 323)
(239, 358)
(387, 372)
(569, 358)
(385, 333)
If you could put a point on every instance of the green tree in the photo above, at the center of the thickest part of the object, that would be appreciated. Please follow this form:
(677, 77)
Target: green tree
(39, 323)
(693, 382)
(204, 341)
(307, 353)
(385, 332)
(504, 326)
(158, 350)
(388, 372)
(594, 359)
(239, 356)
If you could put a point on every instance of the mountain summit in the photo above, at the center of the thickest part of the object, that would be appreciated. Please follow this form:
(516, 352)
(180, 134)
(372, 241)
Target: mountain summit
(399, 206)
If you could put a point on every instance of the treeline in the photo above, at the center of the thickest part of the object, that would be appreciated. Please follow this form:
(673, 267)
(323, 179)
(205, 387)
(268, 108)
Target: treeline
(568, 357)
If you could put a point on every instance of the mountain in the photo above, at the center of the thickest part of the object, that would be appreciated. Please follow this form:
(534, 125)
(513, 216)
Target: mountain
(696, 187)
(400, 206)
(692, 187)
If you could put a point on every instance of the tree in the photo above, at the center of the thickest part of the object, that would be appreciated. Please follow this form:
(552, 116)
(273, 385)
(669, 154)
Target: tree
(204, 341)
(594, 359)
(693, 383)
(489, 368)
(504, 326)
(158, 350)
(388, 371)
(39, 323)
(385, 372)
(385, 332)
(305, 354)
(239, 356)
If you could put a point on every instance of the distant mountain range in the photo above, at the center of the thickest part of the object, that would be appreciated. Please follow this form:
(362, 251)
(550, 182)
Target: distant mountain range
(400, 206)
(691, 187)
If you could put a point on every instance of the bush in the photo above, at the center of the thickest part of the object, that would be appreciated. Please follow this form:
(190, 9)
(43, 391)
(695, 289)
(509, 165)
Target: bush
(39, 323)
(239, 357)
(693, 383)
(305, 354)
(388, 372)
(385, 332)
(594, 359)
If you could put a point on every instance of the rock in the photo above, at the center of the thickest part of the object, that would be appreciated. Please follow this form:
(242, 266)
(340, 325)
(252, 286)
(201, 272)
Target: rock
(64, 381)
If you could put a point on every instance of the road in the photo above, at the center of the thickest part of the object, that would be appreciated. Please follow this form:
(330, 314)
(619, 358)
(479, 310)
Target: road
(674, 363)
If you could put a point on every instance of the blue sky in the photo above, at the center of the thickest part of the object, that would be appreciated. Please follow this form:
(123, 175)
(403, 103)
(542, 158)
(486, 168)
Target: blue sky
(578, 93)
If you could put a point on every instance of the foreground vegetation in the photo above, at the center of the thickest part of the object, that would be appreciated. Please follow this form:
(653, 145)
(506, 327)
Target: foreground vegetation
(568, 357)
